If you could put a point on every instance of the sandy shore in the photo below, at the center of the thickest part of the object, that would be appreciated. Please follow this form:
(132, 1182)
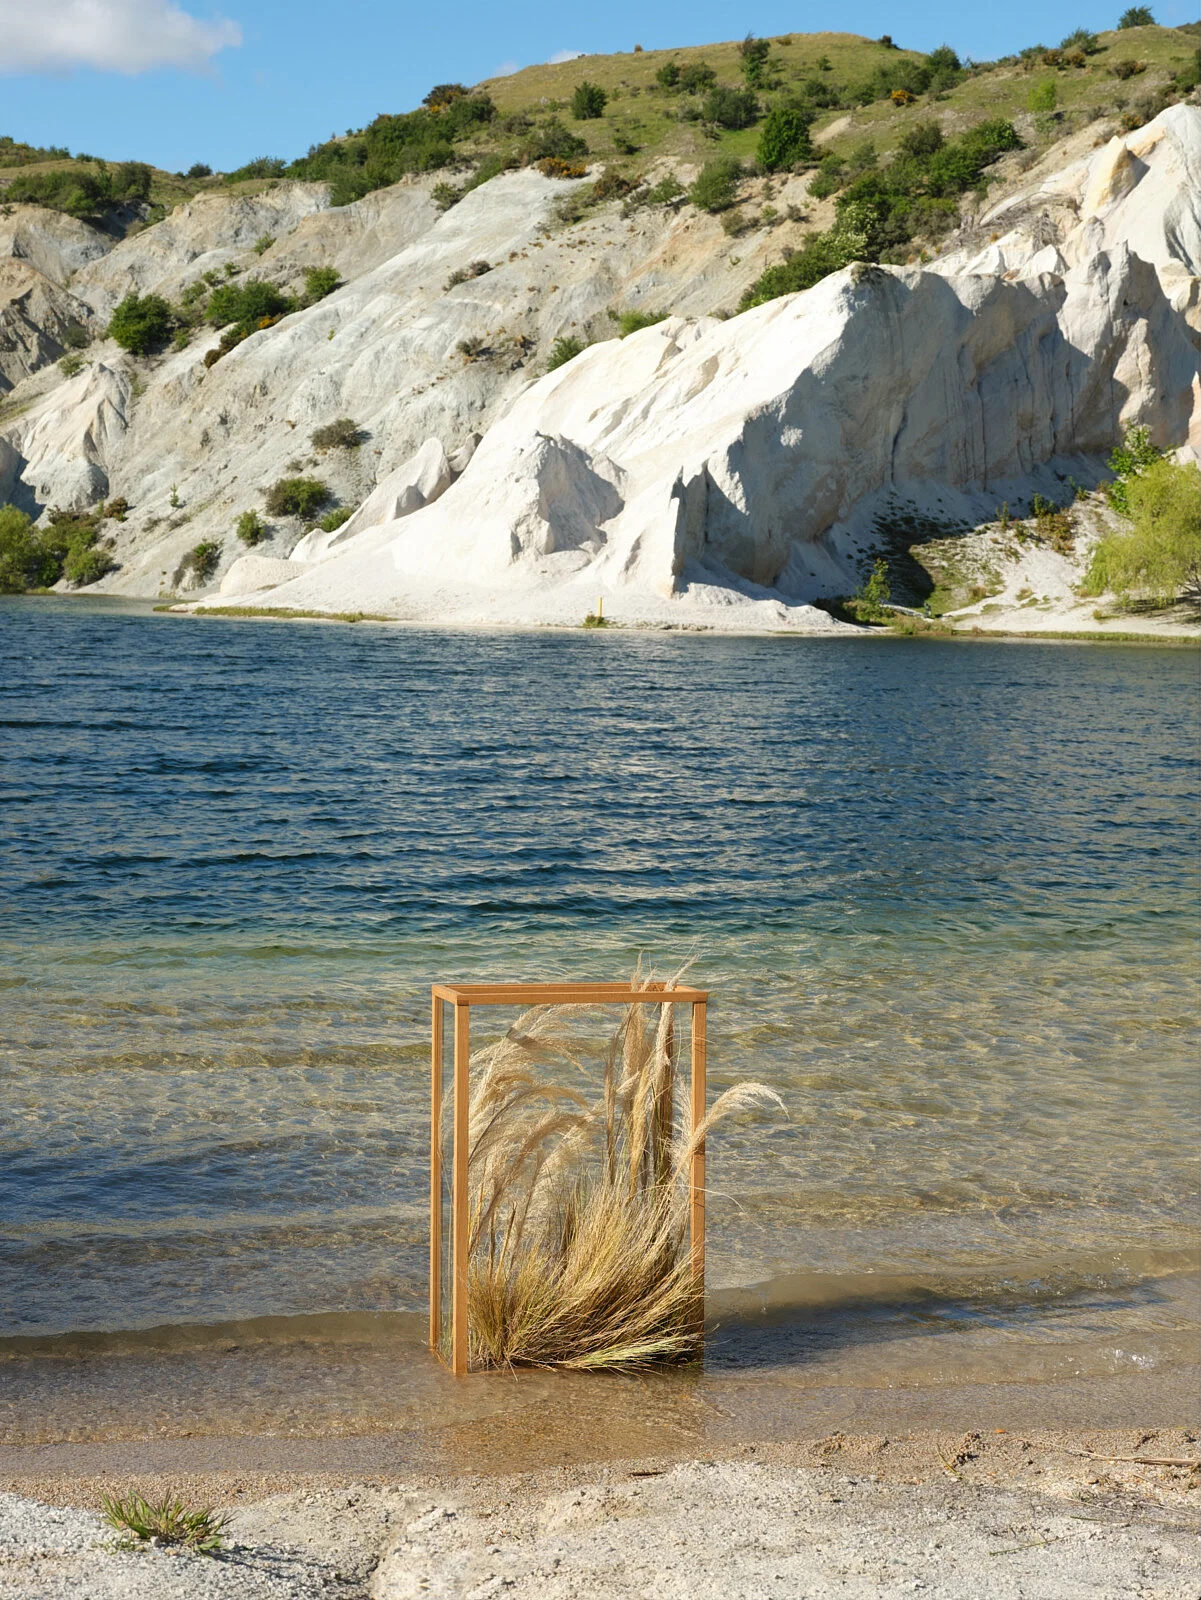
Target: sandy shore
(1063, 1514)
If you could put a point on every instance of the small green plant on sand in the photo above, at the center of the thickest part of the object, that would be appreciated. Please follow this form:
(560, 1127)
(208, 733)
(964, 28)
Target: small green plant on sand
(167, 1521)
(629, 322)
(333, 520)
(578, 1242)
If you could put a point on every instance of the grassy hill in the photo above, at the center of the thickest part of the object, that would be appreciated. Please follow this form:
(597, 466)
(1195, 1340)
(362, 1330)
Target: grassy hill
(853, 92)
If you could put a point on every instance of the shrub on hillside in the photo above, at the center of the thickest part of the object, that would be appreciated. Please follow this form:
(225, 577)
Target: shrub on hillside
(1043, 95)
(297, 497)
(141, 323)
(784, 138)
(92, 193)
(554, 141)
(391, 146)
(199, 169)
(200, 563)
(1157, 556)
(879, 211)
(318, 282)
(588, 101)
(629, 322)
(696, 77)
(333, 520)
(444, 94)
(251, 529)
(342, 434)
(668, 75)
(24, 564)
(247, 306)
(1136, 17)
(716, 184)
(753, 55)
(730, 108)
(259, 167)
(563, 350)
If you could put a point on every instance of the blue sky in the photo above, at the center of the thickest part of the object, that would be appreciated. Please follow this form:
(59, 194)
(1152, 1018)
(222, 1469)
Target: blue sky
(173, 81)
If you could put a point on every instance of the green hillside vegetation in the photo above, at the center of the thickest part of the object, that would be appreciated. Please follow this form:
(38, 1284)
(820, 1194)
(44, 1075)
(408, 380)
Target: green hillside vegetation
(119, 196)
(898, 137)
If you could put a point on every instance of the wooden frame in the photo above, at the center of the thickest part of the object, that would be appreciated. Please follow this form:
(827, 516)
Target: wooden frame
(463, 996)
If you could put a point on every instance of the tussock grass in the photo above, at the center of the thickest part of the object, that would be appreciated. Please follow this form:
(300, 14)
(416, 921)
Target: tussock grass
(167, 1522)
(579, 1245)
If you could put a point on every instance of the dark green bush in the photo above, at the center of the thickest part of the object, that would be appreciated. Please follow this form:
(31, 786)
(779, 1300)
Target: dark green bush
(247, 306)
(333, 520)
(444, 94)
(318, 282)
(731, 108)
(784, 138)
(251, 528)
(668, 75)
(141, 323)
(556, 142)
(343, 434)
(563, 350)
(588, 101)
(297, 497)
(696, 77)
(1137, 17)
(1084, 41)
(754, 53)
(76, 337)
(200, 562)
(94, 194)
(260, 167)
(716, 184)
(199, 169)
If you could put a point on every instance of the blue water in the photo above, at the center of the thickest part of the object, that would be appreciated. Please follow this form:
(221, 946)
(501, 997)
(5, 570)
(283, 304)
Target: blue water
(944, 893)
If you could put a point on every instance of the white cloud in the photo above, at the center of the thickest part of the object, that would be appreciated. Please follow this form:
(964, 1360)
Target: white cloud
(506, 69)
(564, 55)
(109, 35)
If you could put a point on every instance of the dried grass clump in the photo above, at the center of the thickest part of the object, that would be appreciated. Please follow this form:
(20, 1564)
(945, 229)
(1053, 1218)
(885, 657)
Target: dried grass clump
(579, 1249)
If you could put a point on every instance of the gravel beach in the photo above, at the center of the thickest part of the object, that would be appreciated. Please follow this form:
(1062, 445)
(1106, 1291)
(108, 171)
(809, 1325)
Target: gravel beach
(1047, 1516)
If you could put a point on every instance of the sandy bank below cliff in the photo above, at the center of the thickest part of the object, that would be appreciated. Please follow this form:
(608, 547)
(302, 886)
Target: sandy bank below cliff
(944, 1517)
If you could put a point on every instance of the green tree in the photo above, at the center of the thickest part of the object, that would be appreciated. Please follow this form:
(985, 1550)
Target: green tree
(668, 75)
(141, 323)
(784, 138)
(696, 77)
(22, 560)
(716, 184)
(1157, 556)
(588, 101)
(1043, 95)
(251, 528)
(1137, 17)
(754, 53)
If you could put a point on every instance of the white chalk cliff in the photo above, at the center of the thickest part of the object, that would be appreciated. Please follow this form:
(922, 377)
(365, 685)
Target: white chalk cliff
(706, 471)
(704, 461)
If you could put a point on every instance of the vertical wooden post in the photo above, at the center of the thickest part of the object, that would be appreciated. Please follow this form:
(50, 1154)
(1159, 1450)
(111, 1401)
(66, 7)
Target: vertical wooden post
(436, 1173)
(696, 1178)
(459, 1200)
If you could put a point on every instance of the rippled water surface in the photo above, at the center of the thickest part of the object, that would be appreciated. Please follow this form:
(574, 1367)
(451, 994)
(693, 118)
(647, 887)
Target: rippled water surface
(944, 895)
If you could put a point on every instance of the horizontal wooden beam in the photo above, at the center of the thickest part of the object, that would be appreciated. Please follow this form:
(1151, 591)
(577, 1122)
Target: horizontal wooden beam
(533, 994)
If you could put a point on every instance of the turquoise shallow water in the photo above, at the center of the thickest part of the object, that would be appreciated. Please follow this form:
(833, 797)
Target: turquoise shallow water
(945, 896)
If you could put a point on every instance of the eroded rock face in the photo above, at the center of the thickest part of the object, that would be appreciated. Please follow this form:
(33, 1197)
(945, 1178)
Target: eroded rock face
(701, 463)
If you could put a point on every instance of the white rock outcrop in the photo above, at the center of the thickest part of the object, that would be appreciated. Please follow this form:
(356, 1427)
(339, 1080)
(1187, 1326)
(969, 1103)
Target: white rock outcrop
(752, 455)
(706, 471)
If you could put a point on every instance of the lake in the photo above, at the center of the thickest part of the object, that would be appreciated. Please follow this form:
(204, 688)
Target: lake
(944, 894)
